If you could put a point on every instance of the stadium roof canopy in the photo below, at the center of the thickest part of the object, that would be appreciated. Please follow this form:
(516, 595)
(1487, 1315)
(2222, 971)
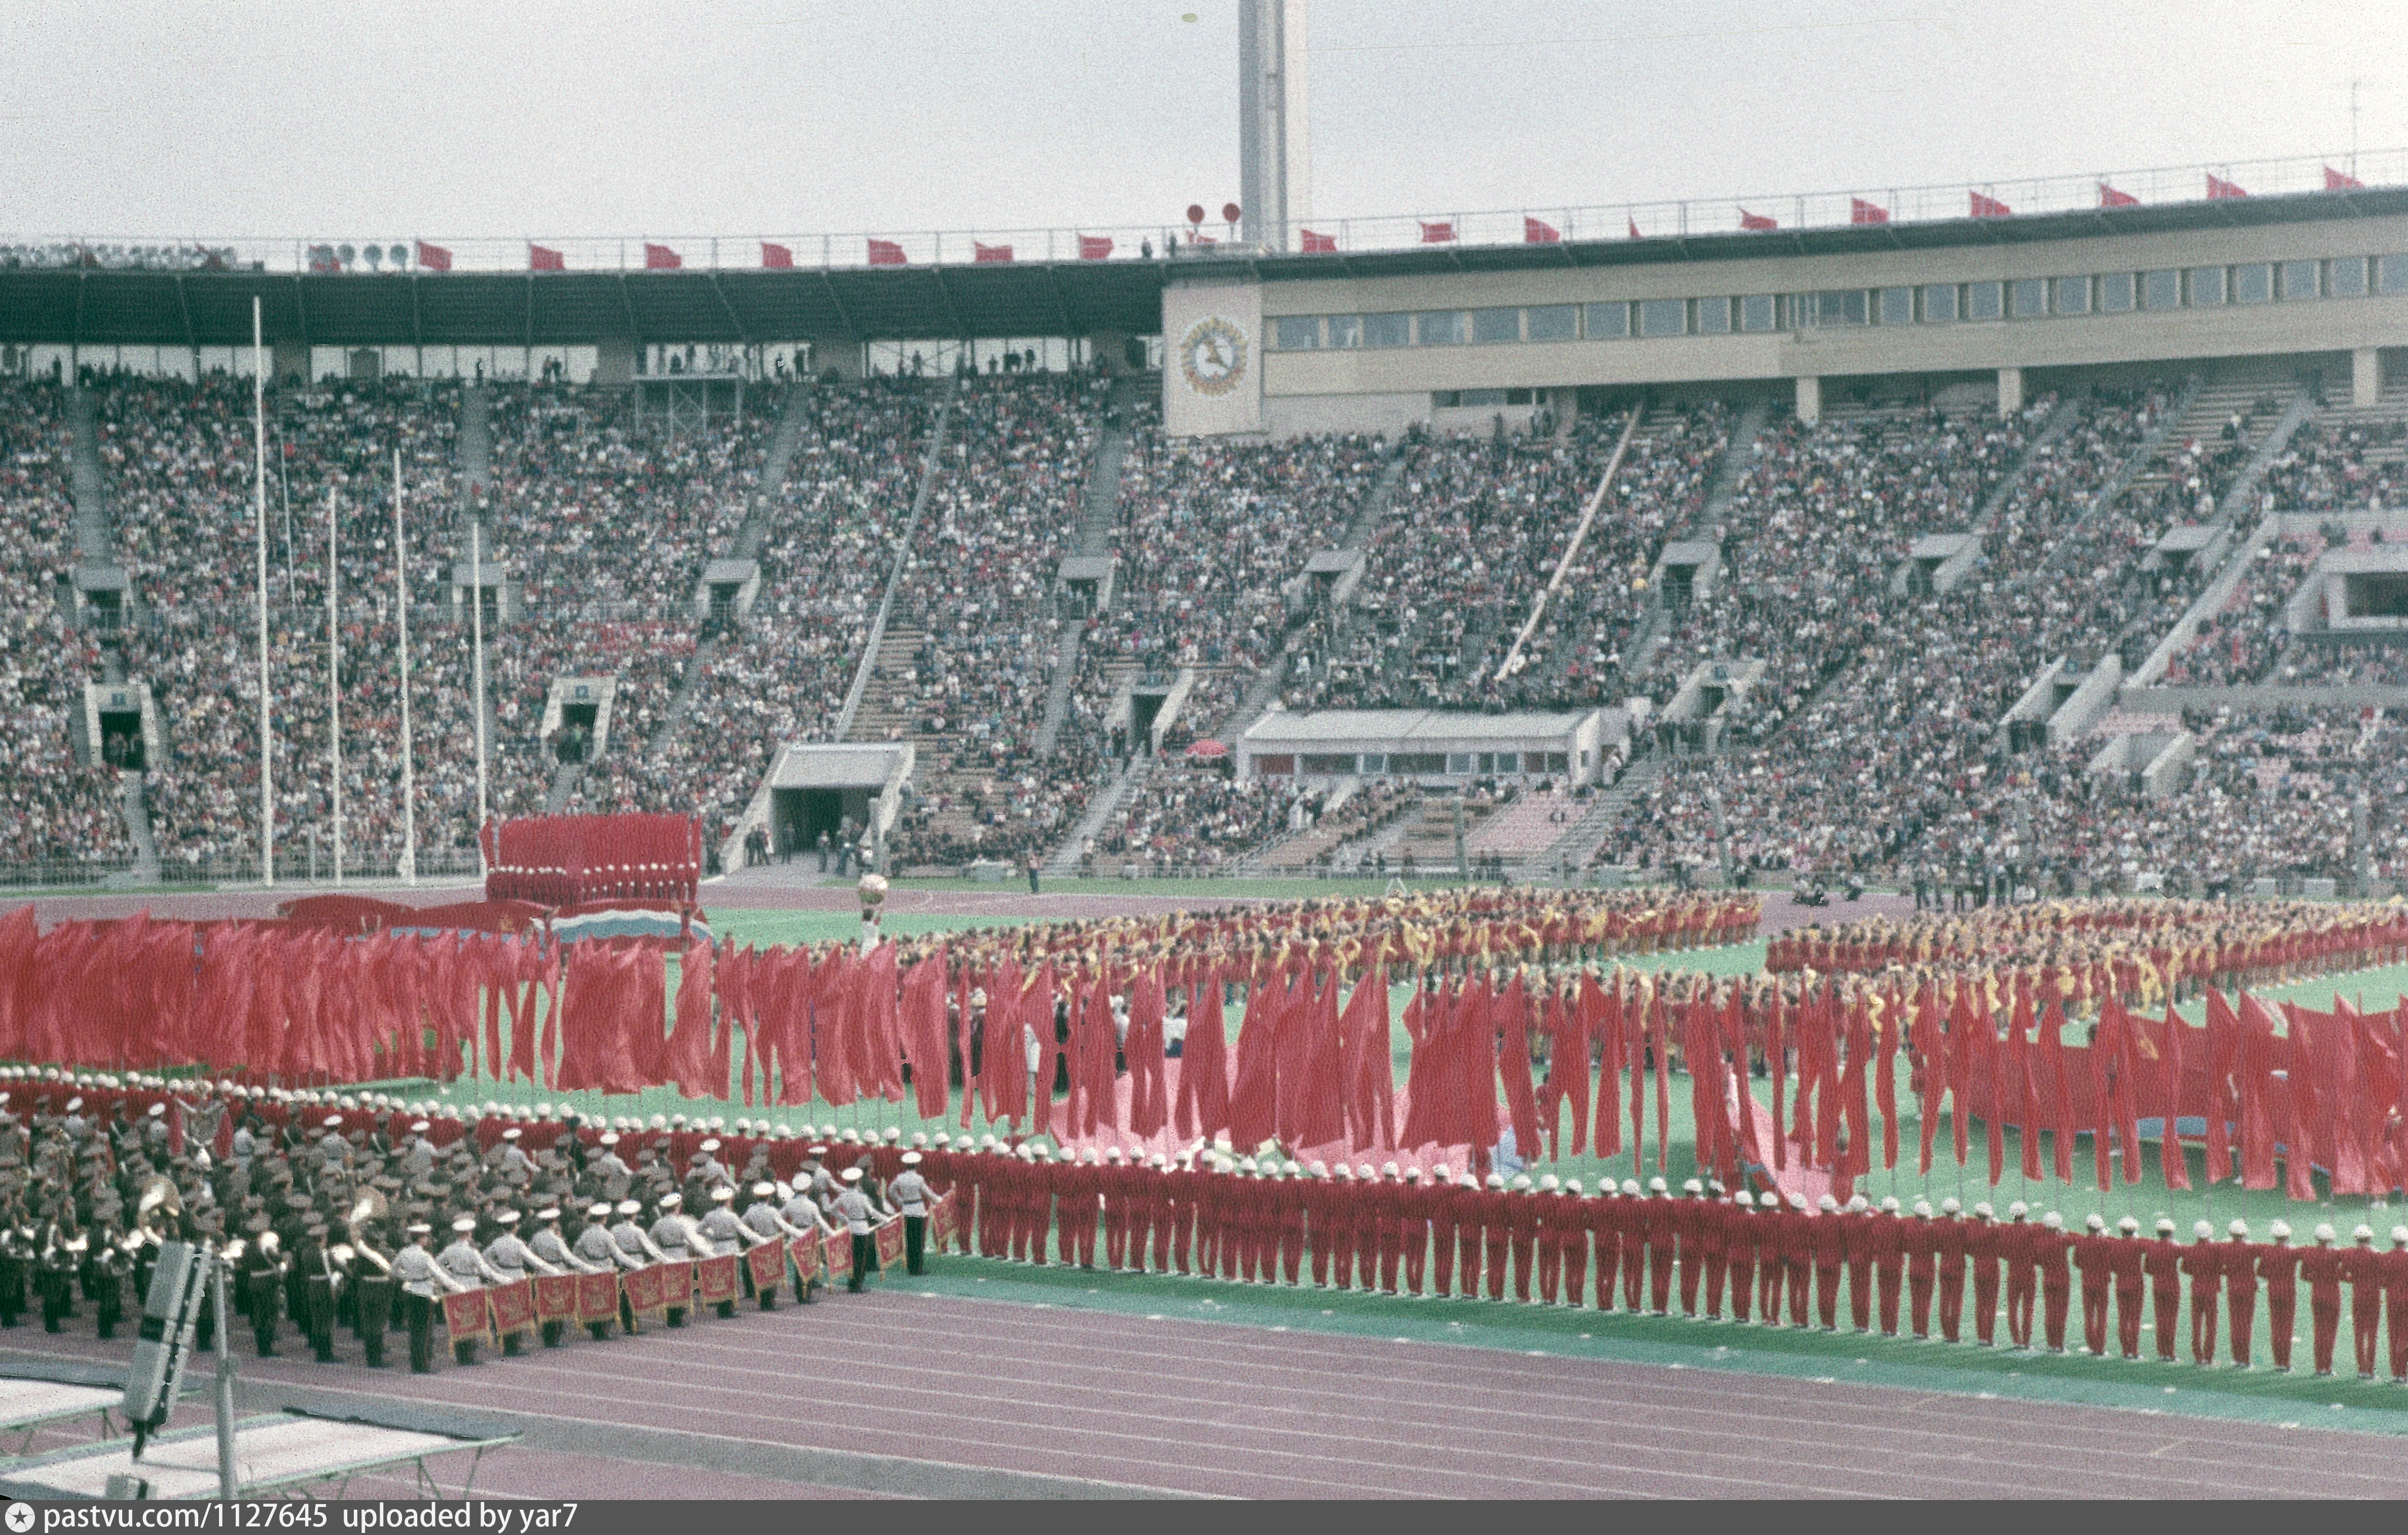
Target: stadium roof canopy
(200, 308)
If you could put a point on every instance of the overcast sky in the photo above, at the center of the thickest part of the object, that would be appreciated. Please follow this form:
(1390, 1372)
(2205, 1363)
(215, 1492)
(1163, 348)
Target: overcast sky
(134, 117)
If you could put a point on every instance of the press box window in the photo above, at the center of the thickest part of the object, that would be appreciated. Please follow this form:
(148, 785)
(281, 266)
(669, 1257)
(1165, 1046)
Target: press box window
(2073, 296)
(1897, 306)
(1346, 330)
(2115, 293)
(1553, 322)
(2206, 285)
(1387, 330)
(1986, 300)
(1441, 327)
(2029, 297)
(1607, 322)
(1940, 304)
(2391, 274)
(1458, 761)
(2161, 290)
(2253, 283)
(1714, 316)
(2298, 279)
(1846, 306)
(1759, 311)
(1664, 317)
(1488, 326)
(1448, 399)
(1328, 761)
(2346, 278)
(1297, 332)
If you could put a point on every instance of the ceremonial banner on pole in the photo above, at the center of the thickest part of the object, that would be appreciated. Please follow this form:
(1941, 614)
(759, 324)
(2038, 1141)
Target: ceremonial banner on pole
(943, 1224)
(513, 1307)
(715, 1279)
(768, 1262)
(890, 1244)
(464, 1316)
(645, 1295)
(836, 1255)
(598, 1297)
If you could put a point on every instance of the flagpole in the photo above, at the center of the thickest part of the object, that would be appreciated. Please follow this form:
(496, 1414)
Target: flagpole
(334, 676)
(259, 430)
(476, 631)
(408, 764)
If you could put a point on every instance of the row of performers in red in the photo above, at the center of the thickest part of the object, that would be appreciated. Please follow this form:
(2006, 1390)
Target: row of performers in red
(1396, 1231)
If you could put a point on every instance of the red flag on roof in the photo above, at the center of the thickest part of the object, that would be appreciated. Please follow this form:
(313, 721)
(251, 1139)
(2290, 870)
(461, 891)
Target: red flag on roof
(885, 253)
(1861, 212)
(1539, 232)
(2218, 187)
(435, 258)
(1440, 233)
(776, 255)
(2336, 181)
(979, 252)
(1317, 244)
(1756, 220)
(1095, 247)
(2110, 197)
(660, 258)
(1634, 228)
(1986, 207)
(542, 259)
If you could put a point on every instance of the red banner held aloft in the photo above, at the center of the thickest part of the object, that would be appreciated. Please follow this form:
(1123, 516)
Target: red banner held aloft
(2110, 197)
(1095, 247)
(715, 1279)
(555, 1297)
(1318, 244)
(543, 258)
(1440, 233)
(1861, 212)
(660, 258)
(464, 1316)
(1746, 221)
(980, 252)
(435, 258)
(885, 253)
(768, 1262)
(598, 1297)
(513, 1307)
(838, 1254)
(2340, 181)
(2218, 187)
(890, 1245)
(1986, 207)
(1539, 232)
(646, 1294)
(776, 255)
(676, 1284)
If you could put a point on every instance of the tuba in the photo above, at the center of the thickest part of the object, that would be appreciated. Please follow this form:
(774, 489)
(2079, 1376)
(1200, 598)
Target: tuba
(369, 1206)
(159, 1196)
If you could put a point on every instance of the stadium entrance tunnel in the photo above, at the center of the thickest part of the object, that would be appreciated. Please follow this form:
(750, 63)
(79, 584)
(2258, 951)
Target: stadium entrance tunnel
(577, 721)
(802, 814)
(121, 740)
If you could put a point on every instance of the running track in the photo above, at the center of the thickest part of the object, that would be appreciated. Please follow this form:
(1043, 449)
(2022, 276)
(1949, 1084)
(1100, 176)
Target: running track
(901, 1394)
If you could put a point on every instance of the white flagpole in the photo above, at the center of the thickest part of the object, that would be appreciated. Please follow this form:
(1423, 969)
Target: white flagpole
(335, 681)
(266, 704)
(409, 764)
(476, 629)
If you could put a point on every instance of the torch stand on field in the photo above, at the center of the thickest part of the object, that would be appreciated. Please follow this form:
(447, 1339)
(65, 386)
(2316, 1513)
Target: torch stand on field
(872, 892)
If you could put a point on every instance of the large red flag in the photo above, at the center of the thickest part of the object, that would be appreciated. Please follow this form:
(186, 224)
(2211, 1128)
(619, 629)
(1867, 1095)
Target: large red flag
(1861, 212)
(1776, 1060)
(1986, 207)
(2337, 182)
(2222, 1106)
(544, 259)
(690, 1046)
(2256, 1080)
(1756, 220)
(432, 258)
(1095, 247)
(2061, 1090)
(2217, 187)
(980, 252)
(660, 258)
(1539, 232)
(1439, 233)
(2170, 1161)
(1606, 1027)
(1513, 1066)
(885, 253)
(2110, 197)
(1317, 244)
(776, 255)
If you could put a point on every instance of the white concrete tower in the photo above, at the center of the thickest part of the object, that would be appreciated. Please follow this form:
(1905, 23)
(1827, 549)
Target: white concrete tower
(1274, 140)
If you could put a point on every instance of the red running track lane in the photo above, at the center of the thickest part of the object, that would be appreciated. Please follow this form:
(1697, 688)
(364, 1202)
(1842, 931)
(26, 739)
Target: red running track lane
(1229, 1410)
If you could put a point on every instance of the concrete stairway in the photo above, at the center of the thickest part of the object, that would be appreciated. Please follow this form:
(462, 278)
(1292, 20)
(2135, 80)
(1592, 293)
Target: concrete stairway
(564, 783)
(137, 813)
(94, 544)
(1265, 686)
(1099, 811)
(1581, 839)
(1102, 514)
(875, 647)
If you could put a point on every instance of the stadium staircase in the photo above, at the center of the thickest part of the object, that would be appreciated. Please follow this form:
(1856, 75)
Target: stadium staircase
(1737, 456)
(2128, 476)
(96, 544)
(1580, 841)
(1102, 510)
(1264, 687)
(879, 651)
(1099, 811)
(565, 777)
(476, 436)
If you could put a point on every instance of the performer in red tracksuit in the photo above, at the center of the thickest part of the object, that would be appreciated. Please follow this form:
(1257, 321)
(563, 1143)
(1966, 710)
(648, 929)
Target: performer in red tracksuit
(1522, 1213)
(2166, 1262)
(1951, 1238)
(2363, 1267)
(1919, 1239)
(2019, 1251)
(1387, 1226)
(1364, 1207)
(1442, 1199)
(1187, 1212)
(1742, 1226)
(2128, 1266)
(1797, 1258)
(2240, 1289)
(1288, 1209)
(1982, 1240)
(1497, 1215)
(1158, 1185)
(1315, 1196)
(1688, 1229)
(1663, 1235)
(1829, 1239)
(2278, 1266)
(1605, 1214)
(2094, 1254)
(1713, 1219)
(2393, 1266)
(1416, 1210)
(1112, 1187)
(1472, 1218)
(2050, 1246)
(1341, 1226)
(2321, 1266)
(2203, 1264)
(1857, 1232)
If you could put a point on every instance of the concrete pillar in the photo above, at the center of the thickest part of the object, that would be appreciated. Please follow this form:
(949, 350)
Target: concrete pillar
(287, 360)
(1810, 400)
(614, 361)
(2010, 390)
(2365, 375)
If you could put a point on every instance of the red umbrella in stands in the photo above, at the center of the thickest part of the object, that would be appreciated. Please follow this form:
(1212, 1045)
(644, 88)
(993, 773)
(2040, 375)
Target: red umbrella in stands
(1204, 748)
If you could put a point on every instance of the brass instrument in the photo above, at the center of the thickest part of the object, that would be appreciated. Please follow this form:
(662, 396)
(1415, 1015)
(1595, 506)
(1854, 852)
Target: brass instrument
(369, 1206)
(158, 1195)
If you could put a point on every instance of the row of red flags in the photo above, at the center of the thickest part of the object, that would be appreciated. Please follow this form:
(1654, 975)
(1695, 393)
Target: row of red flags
(1310, 1064)
(883, 252)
